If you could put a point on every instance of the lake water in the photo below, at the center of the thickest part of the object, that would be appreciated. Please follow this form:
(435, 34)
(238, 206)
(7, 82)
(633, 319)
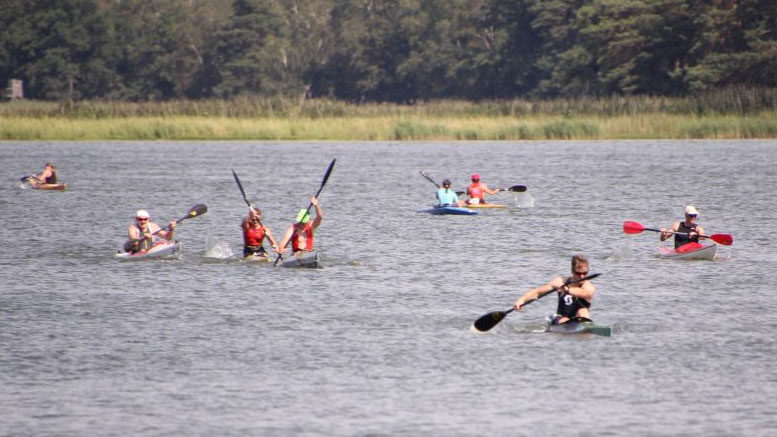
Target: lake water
(376, 341)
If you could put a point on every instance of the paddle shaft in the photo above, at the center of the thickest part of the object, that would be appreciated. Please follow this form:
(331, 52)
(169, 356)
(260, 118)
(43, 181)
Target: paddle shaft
(676, 232)
(242, 191)
(321, 187)
(428, 178)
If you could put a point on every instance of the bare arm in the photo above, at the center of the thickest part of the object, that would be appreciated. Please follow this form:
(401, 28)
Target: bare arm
(536, 293)
(269, 236)
(319, 213)
(488, 190)
(285, 240)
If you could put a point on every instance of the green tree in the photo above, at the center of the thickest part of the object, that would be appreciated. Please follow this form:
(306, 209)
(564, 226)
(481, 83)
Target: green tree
(251, 52)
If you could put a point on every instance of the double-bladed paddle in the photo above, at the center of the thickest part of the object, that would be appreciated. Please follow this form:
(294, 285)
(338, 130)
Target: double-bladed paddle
(321, 187)
(488, 321)
(636, 228)
(194, 211)
(514, 188)
(242, 191)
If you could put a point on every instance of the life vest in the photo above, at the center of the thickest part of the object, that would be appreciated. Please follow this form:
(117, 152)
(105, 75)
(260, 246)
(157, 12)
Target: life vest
(145, 244)
(475, 191)
(253, 236)
(308, 230)
(681, 239)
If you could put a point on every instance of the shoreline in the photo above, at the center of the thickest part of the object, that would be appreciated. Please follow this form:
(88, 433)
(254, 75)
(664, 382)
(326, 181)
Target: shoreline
(392, 128)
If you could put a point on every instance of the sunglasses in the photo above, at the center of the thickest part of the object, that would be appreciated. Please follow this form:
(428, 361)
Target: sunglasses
(581, 273)
(691, 215)
(141, 219)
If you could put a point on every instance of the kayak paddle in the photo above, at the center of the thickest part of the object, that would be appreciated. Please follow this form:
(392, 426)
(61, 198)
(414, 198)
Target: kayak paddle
(242, 191)
(514, 189)
(194, 211)
(636, 228)
(488, 321)
(428, 178)
(323, 182)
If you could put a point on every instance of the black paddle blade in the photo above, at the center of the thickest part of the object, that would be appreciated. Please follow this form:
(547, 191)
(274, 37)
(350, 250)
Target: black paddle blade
(488, 321)
(196, 210)
(517, 188)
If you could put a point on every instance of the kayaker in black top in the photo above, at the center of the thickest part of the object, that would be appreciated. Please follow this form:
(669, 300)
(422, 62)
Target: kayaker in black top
(47, 176)
(686, 231)
(574, 300)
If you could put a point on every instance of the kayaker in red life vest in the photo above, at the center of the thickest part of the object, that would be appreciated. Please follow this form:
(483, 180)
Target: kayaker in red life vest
(300, 234)
(688, 230)
(143, 227)
(477, 190)
(574, 299)
(254, 233)
(47, 176)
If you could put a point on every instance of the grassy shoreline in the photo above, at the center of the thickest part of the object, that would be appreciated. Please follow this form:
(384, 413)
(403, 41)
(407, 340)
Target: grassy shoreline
(398, 127)
(732, 113)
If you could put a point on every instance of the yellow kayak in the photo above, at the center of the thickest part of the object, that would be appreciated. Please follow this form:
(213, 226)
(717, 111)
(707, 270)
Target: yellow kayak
(484, 205)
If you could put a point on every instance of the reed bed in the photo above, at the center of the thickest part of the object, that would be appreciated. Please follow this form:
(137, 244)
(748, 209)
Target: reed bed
(403, 127)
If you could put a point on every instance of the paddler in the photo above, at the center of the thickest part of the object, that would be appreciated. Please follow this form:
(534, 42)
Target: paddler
(686, 231)
(574, 297)
(141, 232)
(300, 234)
(477, 190)
(47, 176)
(446, 196)
(254, 233)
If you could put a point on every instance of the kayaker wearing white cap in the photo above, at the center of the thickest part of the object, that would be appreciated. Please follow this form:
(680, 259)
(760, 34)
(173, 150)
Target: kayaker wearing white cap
(686, 231)
(300, 234)
(141, 232)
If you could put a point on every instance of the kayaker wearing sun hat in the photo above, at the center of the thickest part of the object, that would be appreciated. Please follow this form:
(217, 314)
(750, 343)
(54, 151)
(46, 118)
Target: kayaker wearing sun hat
(477, 190)
(300, 234)
(143, 231)
(686, 231)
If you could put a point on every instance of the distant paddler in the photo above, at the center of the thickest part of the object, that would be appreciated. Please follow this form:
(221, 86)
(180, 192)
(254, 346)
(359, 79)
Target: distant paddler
(254, 234)
(47, 179)
(446, 196)
(301, 233)
(477, 191)
(575, 294)
(142, 233)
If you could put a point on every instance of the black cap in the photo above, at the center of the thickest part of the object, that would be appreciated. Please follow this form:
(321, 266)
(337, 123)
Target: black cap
(446, 182)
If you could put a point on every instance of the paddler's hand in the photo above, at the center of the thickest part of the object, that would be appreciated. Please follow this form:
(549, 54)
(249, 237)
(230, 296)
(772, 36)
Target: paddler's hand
(665, 234)
(692, 235)
(518, 304)
(172, 225)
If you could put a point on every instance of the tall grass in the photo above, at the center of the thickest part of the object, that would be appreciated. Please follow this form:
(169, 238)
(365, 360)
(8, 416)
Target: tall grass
(731, 113)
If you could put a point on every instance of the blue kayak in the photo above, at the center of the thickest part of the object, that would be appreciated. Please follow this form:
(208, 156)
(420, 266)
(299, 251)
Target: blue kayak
(448, 210)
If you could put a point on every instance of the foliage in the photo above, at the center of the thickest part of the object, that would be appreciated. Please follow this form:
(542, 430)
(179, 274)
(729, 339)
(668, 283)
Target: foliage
(402, 51)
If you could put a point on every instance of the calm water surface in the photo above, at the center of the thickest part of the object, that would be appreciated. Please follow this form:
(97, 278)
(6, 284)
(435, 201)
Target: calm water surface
(376, 342)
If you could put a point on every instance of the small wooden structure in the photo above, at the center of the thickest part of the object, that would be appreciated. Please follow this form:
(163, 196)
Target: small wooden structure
(15, 89)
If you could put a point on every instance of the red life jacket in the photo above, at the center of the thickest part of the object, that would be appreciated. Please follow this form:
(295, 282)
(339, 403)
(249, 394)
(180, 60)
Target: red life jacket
(308, 230)
(253, 236)
(475, 191)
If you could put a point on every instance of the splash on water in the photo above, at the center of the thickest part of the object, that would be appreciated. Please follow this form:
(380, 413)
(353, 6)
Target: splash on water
(218, 249)
(524, 200)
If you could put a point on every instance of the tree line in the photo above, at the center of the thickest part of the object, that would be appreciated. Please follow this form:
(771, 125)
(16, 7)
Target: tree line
(401, 51)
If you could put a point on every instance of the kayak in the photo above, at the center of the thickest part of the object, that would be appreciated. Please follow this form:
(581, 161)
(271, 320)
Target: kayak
(574, 327)
(484, 205)
(162, 249)
(301, 259)
(690, 251)
(52, 187)
(254, 257)
(447, 210)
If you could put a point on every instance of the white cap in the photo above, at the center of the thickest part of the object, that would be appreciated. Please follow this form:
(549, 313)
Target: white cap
(690, 210)
(142, 213)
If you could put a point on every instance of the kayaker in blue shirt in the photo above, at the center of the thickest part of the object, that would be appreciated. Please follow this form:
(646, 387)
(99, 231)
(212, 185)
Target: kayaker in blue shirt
(686, 231)
(446, 196)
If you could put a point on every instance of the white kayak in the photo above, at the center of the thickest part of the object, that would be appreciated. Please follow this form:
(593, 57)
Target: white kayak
(162, 249)
(301, 259)
(690, 251)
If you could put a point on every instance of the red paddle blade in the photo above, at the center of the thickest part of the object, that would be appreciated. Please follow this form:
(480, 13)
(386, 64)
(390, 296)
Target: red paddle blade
(632, 227)
(724, 239)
